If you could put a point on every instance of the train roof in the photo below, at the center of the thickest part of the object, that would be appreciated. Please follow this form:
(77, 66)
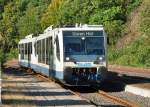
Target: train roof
(49, 31)
(28, 38)
(82, 27)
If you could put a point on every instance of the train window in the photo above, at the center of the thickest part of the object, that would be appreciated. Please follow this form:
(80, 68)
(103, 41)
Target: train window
(47, 48)
(43, 51)
(38, 50)
(49, 51)
(26, 51)
(22, 56)
(40, 54)
(57, 48)
(21, 49)
(29, 50)
(95, 45)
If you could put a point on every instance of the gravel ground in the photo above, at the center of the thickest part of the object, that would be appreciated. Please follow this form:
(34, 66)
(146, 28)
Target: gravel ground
(100, 100)
(116, 88)
(104, 102)
(141, 101)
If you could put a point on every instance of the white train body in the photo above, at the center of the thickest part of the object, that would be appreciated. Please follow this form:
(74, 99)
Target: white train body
(73, 55)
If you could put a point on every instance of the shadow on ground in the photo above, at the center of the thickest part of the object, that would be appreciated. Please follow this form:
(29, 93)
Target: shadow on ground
(26, 91)
(114, 83)
(117, 82)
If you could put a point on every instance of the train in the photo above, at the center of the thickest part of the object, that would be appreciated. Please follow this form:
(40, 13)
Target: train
(74, 55)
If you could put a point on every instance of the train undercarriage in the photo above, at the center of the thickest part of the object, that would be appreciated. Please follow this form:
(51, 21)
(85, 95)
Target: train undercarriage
(85, 76)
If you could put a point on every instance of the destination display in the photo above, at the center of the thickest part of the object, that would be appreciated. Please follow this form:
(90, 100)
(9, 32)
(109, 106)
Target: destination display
(82, 33)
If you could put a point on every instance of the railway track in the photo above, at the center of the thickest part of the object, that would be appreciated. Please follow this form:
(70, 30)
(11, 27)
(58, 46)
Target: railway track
(115, 100)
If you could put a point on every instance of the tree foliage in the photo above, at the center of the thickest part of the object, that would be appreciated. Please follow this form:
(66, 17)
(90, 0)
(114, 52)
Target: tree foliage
(19, 18)
(112, 14)
(145, 26)
(50, 17)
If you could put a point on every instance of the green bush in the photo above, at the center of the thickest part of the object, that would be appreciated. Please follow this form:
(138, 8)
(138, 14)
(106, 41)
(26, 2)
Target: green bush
(137, 54)
(132, 5)
(145, 21)
(1, 55)
(12, 54)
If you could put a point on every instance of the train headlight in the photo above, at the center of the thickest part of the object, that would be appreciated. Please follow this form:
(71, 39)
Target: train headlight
(100, 58)
(67, 58)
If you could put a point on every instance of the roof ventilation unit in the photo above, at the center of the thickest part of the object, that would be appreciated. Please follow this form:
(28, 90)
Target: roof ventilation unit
(48, 29)
(29, 36)
(86, 25)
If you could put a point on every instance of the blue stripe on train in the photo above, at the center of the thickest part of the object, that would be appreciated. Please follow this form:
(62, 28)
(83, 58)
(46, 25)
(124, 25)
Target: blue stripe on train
(44, 70)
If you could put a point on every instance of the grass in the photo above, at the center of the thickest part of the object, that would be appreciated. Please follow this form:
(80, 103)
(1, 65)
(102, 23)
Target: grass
(135, 55)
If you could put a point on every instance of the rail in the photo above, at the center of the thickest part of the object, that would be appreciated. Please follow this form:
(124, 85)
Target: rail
(118, 100)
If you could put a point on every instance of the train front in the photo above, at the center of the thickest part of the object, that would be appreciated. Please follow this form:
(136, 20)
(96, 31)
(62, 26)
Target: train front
(85, 61)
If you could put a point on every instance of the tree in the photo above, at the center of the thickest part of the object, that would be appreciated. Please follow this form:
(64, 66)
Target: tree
(30, 22)
(52, 14)
(8, 25)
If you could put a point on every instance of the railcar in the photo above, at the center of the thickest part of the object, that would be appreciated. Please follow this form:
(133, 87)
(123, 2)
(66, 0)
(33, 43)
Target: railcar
(76, 56)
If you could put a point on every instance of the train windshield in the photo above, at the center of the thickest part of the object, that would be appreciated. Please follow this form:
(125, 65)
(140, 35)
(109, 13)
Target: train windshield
(83, 44)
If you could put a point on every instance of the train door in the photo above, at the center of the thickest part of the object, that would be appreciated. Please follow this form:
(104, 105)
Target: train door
(57, 58)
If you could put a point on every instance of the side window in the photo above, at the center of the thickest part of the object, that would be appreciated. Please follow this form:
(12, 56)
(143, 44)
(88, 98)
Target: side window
(21, 49)
(29, 50)
(46, 50)
(49, 50)
(22, 52)
(26, 51)
(57, 48)
(43, 51)
(39, 50)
